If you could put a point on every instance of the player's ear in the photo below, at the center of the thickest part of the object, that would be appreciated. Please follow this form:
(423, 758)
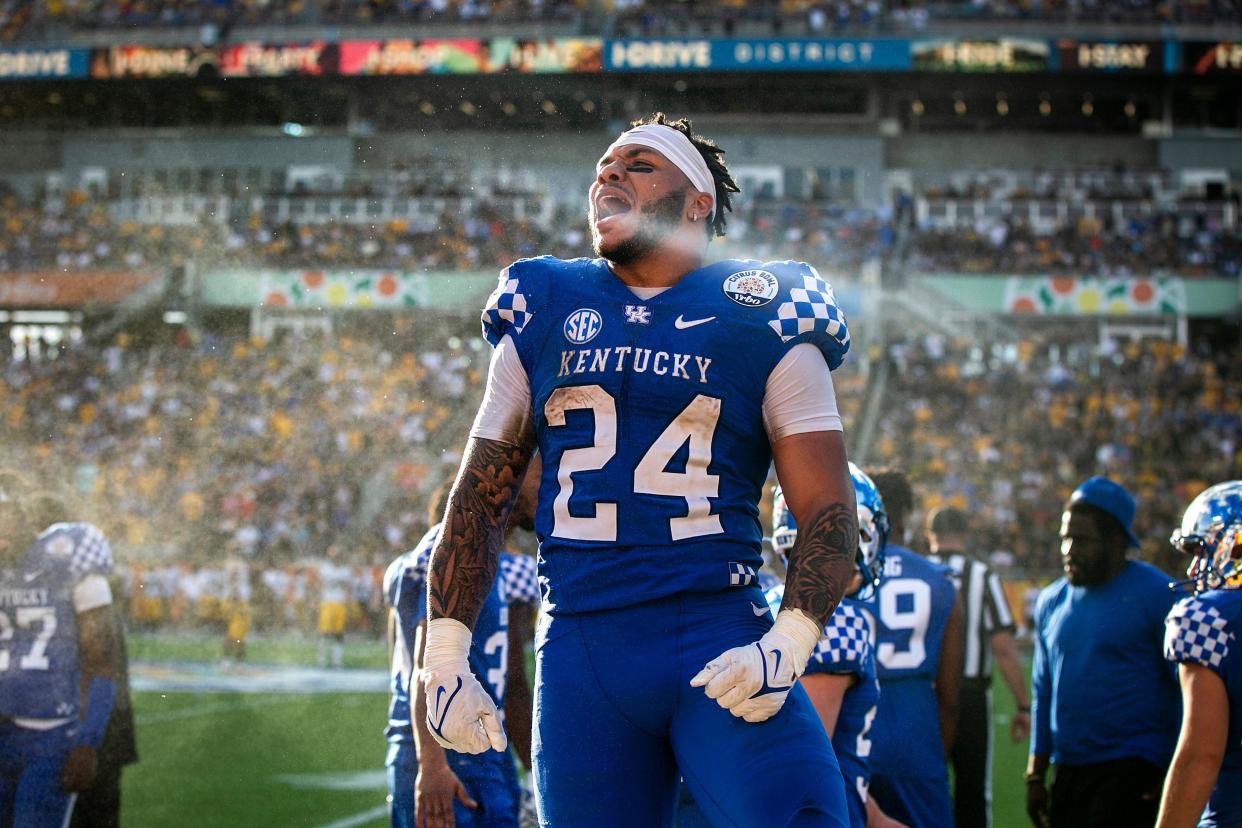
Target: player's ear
(699, 208)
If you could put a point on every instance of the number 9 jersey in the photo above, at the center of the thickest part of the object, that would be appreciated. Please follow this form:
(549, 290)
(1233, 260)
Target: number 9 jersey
(910, 610)
(649, 412)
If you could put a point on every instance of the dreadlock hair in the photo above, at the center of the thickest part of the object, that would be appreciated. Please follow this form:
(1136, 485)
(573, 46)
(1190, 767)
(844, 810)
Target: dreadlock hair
(713, 156)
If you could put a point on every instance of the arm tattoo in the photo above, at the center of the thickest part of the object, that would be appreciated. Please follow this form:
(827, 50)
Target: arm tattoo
(821, 563)
(463, 563)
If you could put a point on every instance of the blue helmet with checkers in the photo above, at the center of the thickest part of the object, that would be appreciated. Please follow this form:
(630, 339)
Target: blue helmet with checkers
(873, 526)
(1211, 532)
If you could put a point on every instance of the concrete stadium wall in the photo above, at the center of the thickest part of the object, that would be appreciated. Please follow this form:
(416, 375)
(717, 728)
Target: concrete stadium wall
(1200, 152)
(563, 163)
(204, 150)
(992, 150)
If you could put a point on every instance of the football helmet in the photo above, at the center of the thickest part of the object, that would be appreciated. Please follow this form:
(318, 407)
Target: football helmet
(1211, 532)
(873, 526)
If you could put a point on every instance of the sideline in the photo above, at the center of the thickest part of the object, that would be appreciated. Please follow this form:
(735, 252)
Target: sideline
(199, 677)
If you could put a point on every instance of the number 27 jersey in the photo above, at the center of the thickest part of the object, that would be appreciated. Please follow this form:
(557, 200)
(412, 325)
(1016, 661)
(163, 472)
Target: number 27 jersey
(649, 417)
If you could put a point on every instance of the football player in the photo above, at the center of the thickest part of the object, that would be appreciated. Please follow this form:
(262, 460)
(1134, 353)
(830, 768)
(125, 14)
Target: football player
(658, 389)
(334, 593)
(1204, 783)
(919, 649)
(57, 684)
(236, 606)
(428, 785)
(99, 804)
(840, 677)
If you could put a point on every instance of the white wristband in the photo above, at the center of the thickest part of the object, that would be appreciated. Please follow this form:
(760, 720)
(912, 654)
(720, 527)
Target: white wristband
(448, 641)
(802, 630)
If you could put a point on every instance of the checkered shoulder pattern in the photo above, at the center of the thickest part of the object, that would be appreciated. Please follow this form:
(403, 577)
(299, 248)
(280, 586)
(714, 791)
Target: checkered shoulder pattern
(520, 577)
(810, 313)
(506, 310)
(741, 574)
(1196, 632)
(87, 549)
(417, 559)
(845, 644)
(392, 579)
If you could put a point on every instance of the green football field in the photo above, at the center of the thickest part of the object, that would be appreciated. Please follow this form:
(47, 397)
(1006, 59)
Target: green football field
(237, 759)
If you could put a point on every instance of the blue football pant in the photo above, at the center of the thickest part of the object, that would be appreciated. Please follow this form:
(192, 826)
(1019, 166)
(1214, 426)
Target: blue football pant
(30, 766)
(485, 777)
(919, 803)
(616, 723)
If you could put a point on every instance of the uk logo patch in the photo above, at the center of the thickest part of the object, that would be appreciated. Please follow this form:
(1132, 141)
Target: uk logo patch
(751, 288)
(583, 325)
(638, 314)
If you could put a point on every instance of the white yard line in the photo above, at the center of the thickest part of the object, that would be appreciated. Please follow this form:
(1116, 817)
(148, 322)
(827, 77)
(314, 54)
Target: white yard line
(358, 819)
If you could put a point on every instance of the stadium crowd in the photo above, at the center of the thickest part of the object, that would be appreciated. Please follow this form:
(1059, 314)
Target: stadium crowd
(1008, 439)
(80, 233)
(186, 448)
(608, 17)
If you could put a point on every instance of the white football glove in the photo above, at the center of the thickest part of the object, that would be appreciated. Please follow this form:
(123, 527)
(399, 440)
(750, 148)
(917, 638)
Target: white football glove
(752, 682)
(460, 714)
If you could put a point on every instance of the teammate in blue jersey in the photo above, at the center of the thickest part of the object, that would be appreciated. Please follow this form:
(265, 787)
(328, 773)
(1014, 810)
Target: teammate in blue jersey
(919, 650)
(485, 787)
(1204, 783)
(658, 390)
(840, 678)
(56, 675)
(1104, 700)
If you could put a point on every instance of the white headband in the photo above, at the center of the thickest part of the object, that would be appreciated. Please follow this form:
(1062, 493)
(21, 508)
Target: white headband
(676, 147)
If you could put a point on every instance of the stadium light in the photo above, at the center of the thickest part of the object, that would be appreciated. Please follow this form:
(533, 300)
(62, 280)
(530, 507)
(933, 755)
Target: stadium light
(174, 317)
(293, 130)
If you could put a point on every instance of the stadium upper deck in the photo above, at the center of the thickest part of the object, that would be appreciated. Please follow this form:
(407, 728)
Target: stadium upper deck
(150, 21)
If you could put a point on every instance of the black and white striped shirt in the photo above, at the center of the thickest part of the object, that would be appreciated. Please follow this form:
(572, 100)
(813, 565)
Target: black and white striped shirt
(986, 611)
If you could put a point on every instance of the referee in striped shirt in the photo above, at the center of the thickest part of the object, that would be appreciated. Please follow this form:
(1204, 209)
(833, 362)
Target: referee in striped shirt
(989, 636)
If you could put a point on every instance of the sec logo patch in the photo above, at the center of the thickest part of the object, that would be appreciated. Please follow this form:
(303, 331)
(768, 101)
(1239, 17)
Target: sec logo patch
(583, 325)
(751, 288)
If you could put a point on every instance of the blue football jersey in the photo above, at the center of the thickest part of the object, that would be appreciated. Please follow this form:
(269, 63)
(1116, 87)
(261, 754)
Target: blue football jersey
(648, 415)
(846, 649)
(909, 611)
(1204, 630)
(39, 659)
(405, 589)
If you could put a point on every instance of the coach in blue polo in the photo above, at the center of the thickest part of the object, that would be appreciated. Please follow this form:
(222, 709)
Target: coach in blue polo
(1105, 705)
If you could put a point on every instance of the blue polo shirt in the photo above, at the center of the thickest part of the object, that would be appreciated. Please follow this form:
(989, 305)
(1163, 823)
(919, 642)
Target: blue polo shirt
(1100, 685)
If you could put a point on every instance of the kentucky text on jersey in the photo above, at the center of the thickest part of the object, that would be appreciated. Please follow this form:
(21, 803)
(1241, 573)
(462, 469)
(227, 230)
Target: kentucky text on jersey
(23, 597)
(660, 363)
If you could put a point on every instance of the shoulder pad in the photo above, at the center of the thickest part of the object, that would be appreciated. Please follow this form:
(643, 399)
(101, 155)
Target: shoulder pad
(392, 580)
(417, 559)
(806, 311)
(844, 646)
(82, 546)
(521, 580)
(1196, 632)
(519, 292)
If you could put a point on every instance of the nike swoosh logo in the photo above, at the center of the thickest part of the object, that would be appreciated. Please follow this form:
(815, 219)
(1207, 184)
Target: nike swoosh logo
(30, 576)
(681, 324)
(769, 685)
(758, 610)
(442, 713)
